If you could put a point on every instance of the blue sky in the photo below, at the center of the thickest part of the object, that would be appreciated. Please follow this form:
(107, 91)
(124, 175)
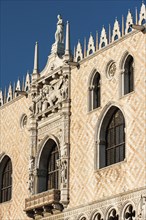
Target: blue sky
(23, 22)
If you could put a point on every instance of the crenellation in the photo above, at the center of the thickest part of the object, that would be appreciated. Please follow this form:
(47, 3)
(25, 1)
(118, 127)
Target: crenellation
(90, 47)
(103, 39)
(10, 93)
(78, 54)
(142, 15)
(129, 21)
(116, 31)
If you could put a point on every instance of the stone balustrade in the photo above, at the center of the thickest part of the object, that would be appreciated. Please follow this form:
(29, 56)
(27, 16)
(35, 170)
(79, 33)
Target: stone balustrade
(43, 204)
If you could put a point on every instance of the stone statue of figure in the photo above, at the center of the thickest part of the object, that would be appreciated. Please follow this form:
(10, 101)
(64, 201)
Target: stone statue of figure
(59, 32)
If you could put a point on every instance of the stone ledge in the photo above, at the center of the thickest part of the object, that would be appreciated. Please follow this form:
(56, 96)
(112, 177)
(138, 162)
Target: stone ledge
(40, 204)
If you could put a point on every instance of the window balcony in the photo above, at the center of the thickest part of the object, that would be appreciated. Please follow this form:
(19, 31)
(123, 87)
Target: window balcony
(43, 204)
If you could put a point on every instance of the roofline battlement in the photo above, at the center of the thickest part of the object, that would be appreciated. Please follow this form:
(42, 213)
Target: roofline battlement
(113, 35)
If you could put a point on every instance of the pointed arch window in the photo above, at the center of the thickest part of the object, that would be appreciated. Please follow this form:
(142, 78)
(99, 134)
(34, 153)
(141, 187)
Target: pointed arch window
(128, 76)
(48, 174)
(53, 170)
(94, 91)
(112, 138)
(6, 180)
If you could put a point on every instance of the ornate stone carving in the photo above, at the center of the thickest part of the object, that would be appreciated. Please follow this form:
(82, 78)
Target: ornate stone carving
(31, 175)
(113, 215)
(129, 213)
(50, 95)
(111, 70)
(62, 164)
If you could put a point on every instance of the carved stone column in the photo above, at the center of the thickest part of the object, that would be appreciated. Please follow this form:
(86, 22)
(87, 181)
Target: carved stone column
(33, 146)
(65, 142)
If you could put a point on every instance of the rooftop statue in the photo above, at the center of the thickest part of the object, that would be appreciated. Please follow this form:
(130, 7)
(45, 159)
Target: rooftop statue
(59, 32)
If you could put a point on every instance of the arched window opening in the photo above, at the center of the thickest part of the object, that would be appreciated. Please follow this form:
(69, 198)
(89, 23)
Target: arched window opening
(128, 75)
(129, 213)
(112, 138)
(97, 216)
(103, 44)
(9, 99)
(90, 52)
(26, 89)
(78, 59)
(143, 22)
(6, 180)
(115, 139)
(48, 174)
(53, 169)
(129, 29)
(116, 37)
(95, 91)
(113, 215)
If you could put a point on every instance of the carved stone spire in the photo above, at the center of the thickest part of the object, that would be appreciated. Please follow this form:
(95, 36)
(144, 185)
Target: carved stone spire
(10, 93)
(85, 50)
(35, 73)
(123, 26)
(136, 16)
(1, 98)
(67, 42)
(35, 69)
(109, 33)
(5, 95)
(96, 40)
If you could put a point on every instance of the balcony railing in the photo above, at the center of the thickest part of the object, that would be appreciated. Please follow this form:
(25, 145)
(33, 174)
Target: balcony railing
(43, 203)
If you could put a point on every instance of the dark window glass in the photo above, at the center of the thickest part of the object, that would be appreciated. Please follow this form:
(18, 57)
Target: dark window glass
(6, 184)
(103, 44)
(129, 29)
(128, 75)
(78, 59)
(115, 139)
(53, 170)
(143, 22)
(96, 91)
(116, 37)
(90, 52)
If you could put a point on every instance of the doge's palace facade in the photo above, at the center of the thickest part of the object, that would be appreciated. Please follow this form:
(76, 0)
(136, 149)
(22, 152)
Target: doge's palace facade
(72, 143)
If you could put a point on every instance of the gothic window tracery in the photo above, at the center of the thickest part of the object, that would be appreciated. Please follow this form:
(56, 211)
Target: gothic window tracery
(115, 139)
(112, 138)
(129, 213)
(113, 215)
(6, 180)
(97, 216)
(48, 172)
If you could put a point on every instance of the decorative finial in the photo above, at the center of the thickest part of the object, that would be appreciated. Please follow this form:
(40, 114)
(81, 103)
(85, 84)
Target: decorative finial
(35, 69)
(122, 25)
(67, 43)
(109, 33)
(74, 51)
(136, 16)
(85, 51)
(96, 40)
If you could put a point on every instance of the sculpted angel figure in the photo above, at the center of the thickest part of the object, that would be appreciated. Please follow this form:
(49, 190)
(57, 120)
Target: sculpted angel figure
(59, 32)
